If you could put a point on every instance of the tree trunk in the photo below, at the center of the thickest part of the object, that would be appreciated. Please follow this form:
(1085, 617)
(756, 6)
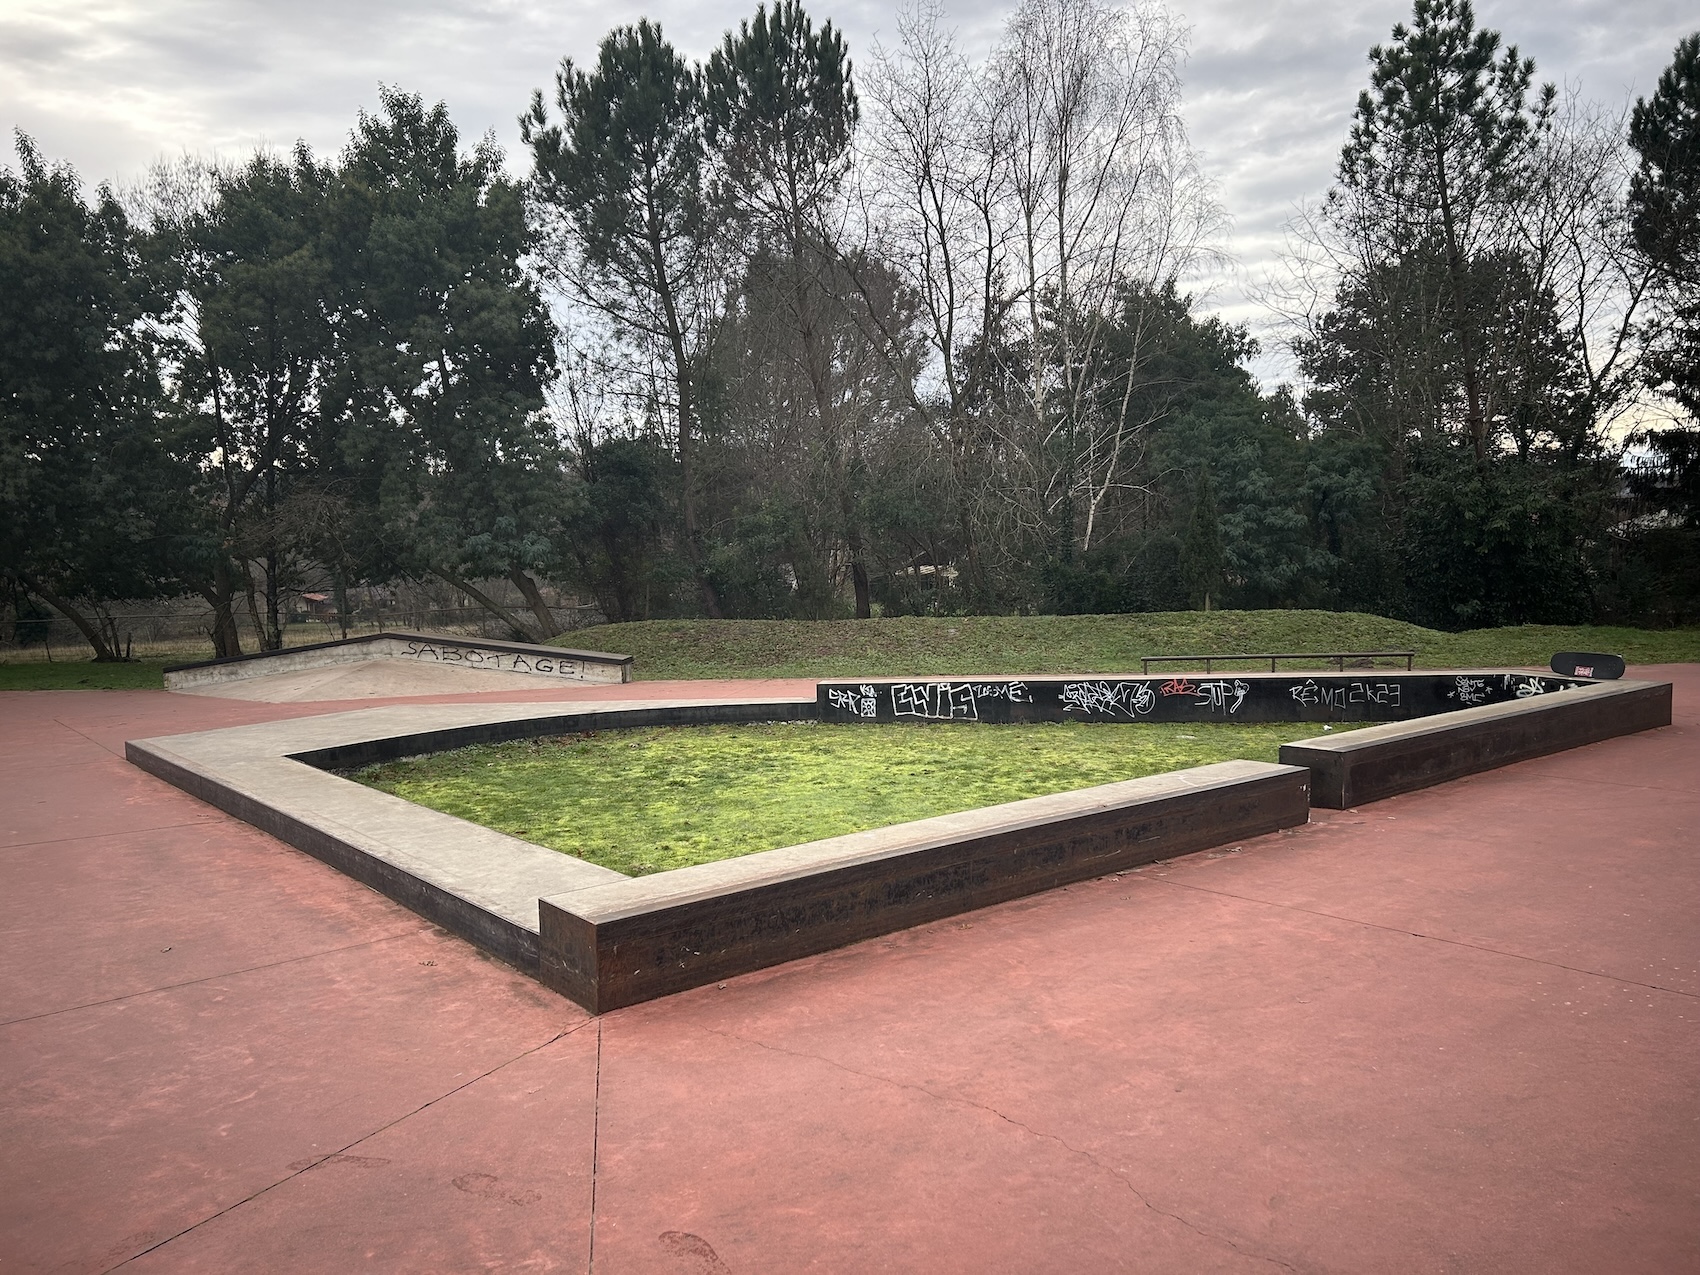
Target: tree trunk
(341, 590)
(534, 601)
(274, 621)
(687, 422)
(858, 565)
(103, 650)
(253, 605)
(227, 639)
(488, 603)
(817, 359)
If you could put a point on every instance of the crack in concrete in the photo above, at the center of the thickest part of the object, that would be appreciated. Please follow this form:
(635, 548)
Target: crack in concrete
(213, 978)
(957, 1100)
(365, 1137)
(1430, 938)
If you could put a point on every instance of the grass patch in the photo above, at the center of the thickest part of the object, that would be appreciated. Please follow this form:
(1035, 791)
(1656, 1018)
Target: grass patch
(83, 675)
(911, 646)
(647, 800)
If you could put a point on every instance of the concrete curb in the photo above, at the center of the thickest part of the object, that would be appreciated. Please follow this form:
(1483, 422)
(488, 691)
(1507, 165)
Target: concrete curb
(1383, 761)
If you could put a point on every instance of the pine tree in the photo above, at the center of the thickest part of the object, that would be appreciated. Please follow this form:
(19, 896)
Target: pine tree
(624, 168)
(1434, 161)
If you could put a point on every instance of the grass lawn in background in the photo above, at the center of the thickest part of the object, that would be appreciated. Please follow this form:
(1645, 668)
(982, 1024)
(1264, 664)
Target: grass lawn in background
(928, 646)
(650, 799)
(83, 675)
(910, 646)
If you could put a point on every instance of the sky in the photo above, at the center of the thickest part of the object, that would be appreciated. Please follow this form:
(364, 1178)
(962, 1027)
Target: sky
(111, 86)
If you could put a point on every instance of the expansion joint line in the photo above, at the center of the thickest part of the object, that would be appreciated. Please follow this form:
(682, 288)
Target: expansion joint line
(114, 752)
(365, 1137)
(595, 1144)
(959, 1101)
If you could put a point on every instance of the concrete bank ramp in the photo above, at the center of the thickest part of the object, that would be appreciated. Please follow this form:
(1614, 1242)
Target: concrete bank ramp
(395, 664)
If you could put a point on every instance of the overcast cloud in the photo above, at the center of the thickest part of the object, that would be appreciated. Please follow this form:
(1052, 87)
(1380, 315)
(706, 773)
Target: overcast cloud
(112, 86)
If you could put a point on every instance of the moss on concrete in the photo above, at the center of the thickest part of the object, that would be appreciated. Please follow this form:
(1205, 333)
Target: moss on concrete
(642, 801)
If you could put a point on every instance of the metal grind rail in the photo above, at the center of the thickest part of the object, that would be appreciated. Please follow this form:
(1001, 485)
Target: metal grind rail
(1338, 657)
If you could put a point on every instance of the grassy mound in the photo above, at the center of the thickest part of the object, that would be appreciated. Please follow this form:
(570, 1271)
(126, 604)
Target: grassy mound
(686, 649)
(909, 646)
(647, 800)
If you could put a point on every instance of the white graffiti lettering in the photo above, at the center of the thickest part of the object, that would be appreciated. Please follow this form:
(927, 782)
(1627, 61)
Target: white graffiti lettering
(1014, 692)
(1385, 693)
(478, 657)
(861, 704)
(1470, 690)
(1221, 696)
(935, 701)
(1131, 699)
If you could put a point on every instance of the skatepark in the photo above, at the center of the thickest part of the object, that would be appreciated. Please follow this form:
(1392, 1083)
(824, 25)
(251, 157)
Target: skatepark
(1448, 1030)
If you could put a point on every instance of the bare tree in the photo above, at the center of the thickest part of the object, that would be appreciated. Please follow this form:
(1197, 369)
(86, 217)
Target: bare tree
(1024, 200)
(939, 195)
(1574, 227)
(1106, 193)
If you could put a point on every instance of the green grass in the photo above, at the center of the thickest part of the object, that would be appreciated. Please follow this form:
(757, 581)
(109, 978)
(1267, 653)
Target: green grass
(689, 649)
(648, 800)
(83, 675)
(668, 649)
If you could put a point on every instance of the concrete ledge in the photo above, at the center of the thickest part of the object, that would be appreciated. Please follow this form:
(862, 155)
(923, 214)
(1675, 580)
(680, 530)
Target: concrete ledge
(549, 663)
(1382, 761)
(615, 940)
(473, 881)
(617, 944)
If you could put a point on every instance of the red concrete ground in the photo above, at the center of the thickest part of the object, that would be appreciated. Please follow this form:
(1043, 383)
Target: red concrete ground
(1455, 1031)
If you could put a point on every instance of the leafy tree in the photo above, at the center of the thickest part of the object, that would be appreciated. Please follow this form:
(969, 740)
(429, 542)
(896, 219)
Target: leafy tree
(255, 339)
(1414, 522)
(448, 346)
(1665, 191)
(1202, 558)
(1457, 471)
(91, 504)
(1434, 162)
(1484, 547)
(1210, 483)
(1664, 201)
(613, 525)
(780, 111)
(624, 169)
(1660, 573)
